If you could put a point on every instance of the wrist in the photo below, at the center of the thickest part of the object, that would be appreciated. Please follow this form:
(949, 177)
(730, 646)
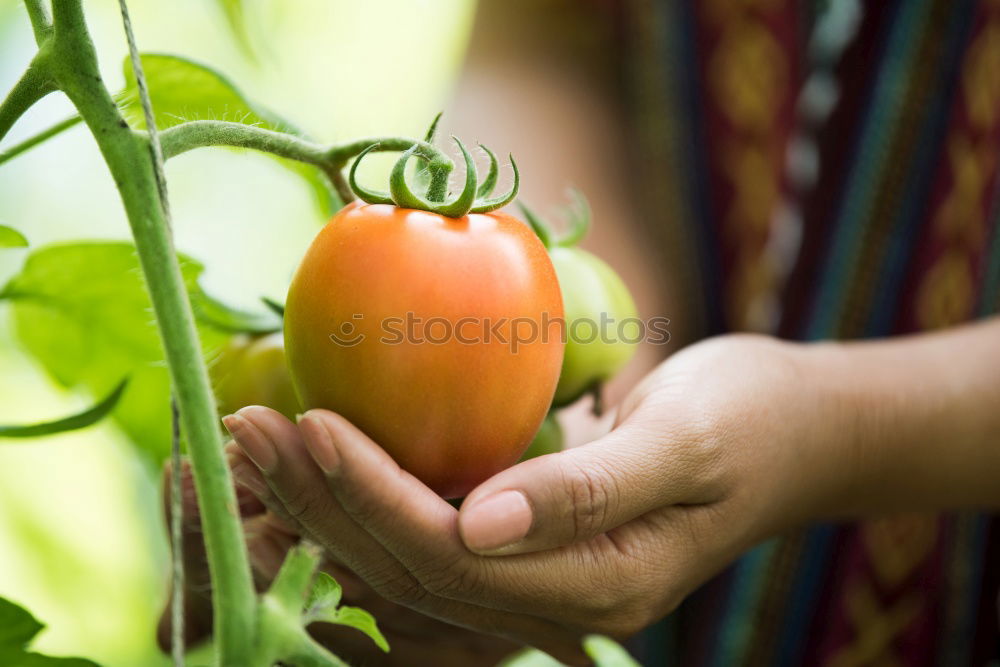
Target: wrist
(910, 423)
(848, 415)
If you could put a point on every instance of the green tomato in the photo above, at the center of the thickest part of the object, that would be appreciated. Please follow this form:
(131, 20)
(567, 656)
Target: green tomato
(602, 327)
(548, 440)
(251, 370)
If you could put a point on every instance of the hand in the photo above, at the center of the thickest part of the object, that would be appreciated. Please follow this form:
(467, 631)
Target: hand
(720, 447)
(415, 638)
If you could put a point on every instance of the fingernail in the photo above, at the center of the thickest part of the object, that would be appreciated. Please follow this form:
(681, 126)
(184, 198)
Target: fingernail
(497, 521)
(252, 441)
(320, 443)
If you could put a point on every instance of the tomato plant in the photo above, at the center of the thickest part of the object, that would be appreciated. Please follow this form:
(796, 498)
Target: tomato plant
(404, 264)
(601, 318)
(414, 323)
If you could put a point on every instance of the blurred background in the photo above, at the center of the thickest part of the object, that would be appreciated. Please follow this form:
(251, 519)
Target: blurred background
(82, 540)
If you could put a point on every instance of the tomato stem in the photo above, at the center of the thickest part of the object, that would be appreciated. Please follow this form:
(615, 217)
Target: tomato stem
(404, 197)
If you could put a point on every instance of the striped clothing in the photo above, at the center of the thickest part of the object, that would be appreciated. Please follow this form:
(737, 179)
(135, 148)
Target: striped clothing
(829, 169)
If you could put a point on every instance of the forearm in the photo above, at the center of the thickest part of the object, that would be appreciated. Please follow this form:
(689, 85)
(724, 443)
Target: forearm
(917, 423)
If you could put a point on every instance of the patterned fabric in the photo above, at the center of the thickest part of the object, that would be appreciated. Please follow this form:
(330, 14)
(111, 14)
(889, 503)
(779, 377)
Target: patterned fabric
(829, 169)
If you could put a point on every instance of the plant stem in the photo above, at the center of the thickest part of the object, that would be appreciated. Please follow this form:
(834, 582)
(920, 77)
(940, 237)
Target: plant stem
(40, 22)
(342, 153)
(33, 141)
(127, 154)
(331, 159)
(281, 632)
(292, 581)
(33, 85)
(198, 133)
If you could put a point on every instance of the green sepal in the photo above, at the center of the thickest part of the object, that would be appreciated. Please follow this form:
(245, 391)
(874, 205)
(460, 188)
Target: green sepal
(80, 420)
(363, 193)
(542, 229)
(578, 215)
(432, 130)
(490, 182)
(487, 205)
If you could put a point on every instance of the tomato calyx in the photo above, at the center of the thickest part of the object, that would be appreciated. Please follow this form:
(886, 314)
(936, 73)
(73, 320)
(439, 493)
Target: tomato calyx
(577, 213)
(473, 198)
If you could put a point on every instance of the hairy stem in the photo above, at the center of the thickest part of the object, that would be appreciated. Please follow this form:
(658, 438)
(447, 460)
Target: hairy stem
(42, 136)
(40, 22)
(199, 133)
(281, 632)
(342, 153)
(331, 159)
(127, 154)
(292, 581)
(34, 84)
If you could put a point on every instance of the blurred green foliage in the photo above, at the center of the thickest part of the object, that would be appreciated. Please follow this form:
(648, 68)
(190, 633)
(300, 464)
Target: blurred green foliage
(81, 309)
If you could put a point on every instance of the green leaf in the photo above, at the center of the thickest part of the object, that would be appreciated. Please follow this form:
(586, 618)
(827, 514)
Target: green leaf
(275, 307)
(606, 652)
(17, 629)
(321, 607)
(182, 90)
(11, 238)
(324, 596)
(363, 621)
(82, 310)
(80, 420)
(17, 626)
(214, 313)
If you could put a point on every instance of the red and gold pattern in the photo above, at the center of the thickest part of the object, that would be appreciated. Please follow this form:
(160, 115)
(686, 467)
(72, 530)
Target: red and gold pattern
(954, 253)
(886, 597)
(749, 105)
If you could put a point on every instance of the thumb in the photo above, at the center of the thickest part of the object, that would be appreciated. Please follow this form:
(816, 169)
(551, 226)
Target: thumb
(574, 495)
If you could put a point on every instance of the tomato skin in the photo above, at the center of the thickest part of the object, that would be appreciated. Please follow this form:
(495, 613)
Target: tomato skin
(590, 287)
(548, 440)
(449, 412)
(251, 370)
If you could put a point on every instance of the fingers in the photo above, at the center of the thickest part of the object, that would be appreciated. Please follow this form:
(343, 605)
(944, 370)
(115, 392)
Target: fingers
(296, 488)
(333, 521)
(574, 495)
(419, 528)
(392, 505)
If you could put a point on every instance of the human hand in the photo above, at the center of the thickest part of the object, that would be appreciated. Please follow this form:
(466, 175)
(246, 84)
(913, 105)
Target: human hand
(414, 637)
(720, 447)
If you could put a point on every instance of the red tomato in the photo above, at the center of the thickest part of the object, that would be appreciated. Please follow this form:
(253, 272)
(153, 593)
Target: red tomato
(404, 322)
